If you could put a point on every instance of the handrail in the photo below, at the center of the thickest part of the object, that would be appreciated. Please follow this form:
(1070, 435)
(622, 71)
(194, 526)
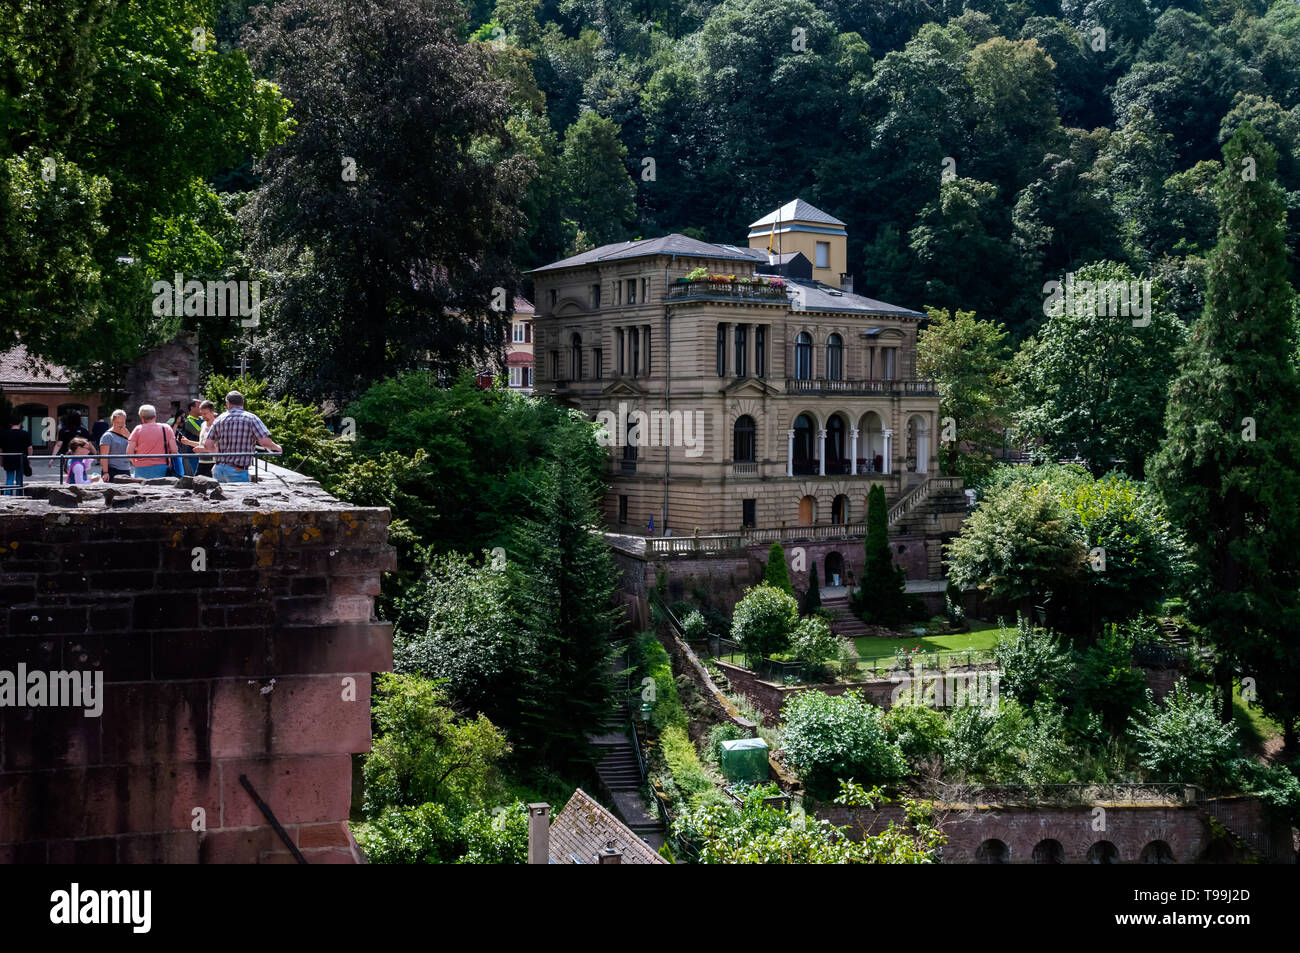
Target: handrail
(257, 456)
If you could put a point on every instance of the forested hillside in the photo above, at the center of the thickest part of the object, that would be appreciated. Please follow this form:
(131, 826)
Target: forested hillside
(974, 150)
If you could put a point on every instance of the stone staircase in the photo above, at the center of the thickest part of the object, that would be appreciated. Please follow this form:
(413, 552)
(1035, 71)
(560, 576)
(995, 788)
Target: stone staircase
(619, 771)
(843, 622)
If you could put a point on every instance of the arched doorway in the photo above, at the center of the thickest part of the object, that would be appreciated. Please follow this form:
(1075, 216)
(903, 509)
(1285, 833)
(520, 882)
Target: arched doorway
(1103, 852)
(1157, 852)
(834, 569)
(1049, 852)
(804, 462)
(840, 510)
(871, 443)
(807, 511)
(992, 851)
(837, 445)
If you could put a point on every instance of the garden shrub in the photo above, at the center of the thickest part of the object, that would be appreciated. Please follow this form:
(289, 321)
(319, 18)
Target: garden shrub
(776, 574)
(1182, 740)
(684, 763)
(812, 643)
(695, 625)
(1106, 681)
(1034, 665)
(656, 664)
(828, 738)
(764, 620)
(917, 730)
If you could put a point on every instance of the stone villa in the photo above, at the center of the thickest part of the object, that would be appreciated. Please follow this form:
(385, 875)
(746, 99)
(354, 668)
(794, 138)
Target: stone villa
(749, 391)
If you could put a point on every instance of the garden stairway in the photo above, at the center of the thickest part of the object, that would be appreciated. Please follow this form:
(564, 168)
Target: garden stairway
(619, 771)
(843, 622)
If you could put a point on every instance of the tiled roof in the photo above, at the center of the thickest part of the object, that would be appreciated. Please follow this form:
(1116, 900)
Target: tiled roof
(673, 244)
(18, 369)
(583, 829)
(820, 297)
(798, 210)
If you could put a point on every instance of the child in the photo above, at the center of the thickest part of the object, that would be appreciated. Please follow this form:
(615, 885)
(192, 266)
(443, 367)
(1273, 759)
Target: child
(79, 469)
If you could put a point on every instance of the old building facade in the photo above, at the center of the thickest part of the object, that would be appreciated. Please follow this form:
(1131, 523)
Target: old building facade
(739, 390)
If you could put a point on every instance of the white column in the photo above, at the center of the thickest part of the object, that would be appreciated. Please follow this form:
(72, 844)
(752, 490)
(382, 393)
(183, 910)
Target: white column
(853, 458)
(789, 453)
(922, 451)
(889, 451)
(821, 453)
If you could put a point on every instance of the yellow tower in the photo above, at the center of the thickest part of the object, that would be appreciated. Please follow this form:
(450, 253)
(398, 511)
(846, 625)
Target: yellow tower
(800, 227)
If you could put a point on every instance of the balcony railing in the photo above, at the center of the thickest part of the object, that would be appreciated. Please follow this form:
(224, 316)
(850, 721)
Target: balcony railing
(705, 288)
(850, 388)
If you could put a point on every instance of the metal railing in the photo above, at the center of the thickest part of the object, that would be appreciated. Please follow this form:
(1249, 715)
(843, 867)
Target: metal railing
(752, 290)
(918, 388)
(95, 459)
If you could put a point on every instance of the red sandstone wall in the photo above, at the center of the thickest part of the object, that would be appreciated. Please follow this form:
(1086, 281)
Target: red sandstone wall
(1130, 827)
(236, 669)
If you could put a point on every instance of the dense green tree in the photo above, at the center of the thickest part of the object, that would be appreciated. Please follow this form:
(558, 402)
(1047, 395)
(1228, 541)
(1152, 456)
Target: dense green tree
(763, 621)
(424, 752)
(813, 598)
(776, 573)
(598, 191)
(968, 359)
(1020, 546)
(1229, 469)
(1092, 383)
(882, 597)
(833, 738)
(389, 217)
(960, 242)
(114, 117)
(563, 580)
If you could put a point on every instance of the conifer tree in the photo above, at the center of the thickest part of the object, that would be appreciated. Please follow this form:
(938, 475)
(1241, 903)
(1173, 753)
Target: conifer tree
(564, 585)
(882, 600)
(813, 600)
(776, 573)
(1229, 469)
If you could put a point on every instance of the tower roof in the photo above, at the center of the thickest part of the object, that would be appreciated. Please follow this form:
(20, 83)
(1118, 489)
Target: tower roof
(798, 210)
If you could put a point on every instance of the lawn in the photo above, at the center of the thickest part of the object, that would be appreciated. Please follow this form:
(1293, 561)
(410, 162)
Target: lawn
(983, 636)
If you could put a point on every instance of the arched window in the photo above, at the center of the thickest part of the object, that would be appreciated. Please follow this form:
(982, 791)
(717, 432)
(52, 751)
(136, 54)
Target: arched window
(575, 357)
(803, 356)
(722, 350)
(743, 440)
(1156, 852)
(835, 358)
(804, 462)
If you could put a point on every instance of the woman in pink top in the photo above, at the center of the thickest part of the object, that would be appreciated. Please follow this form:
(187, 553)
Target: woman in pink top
(154, 441)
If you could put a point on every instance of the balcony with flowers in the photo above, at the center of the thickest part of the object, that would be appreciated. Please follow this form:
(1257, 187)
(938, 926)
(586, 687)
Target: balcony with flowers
(703, 284)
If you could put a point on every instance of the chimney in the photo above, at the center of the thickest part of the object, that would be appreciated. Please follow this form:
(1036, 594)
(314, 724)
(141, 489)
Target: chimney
(539, 833)
(846, 283)
(610, 855)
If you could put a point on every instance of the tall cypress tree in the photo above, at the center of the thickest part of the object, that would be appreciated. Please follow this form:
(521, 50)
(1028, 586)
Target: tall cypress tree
(563, 590)
(1229, 469)
(776, 573)
(813, 599)
(883, 598)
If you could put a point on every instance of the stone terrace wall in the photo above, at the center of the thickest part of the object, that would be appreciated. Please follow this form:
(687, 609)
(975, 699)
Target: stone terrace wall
(239, 663)
(1129, 826)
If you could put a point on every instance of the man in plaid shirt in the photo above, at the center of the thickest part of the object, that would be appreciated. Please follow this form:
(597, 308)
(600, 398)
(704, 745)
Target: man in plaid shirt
(237, 431)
